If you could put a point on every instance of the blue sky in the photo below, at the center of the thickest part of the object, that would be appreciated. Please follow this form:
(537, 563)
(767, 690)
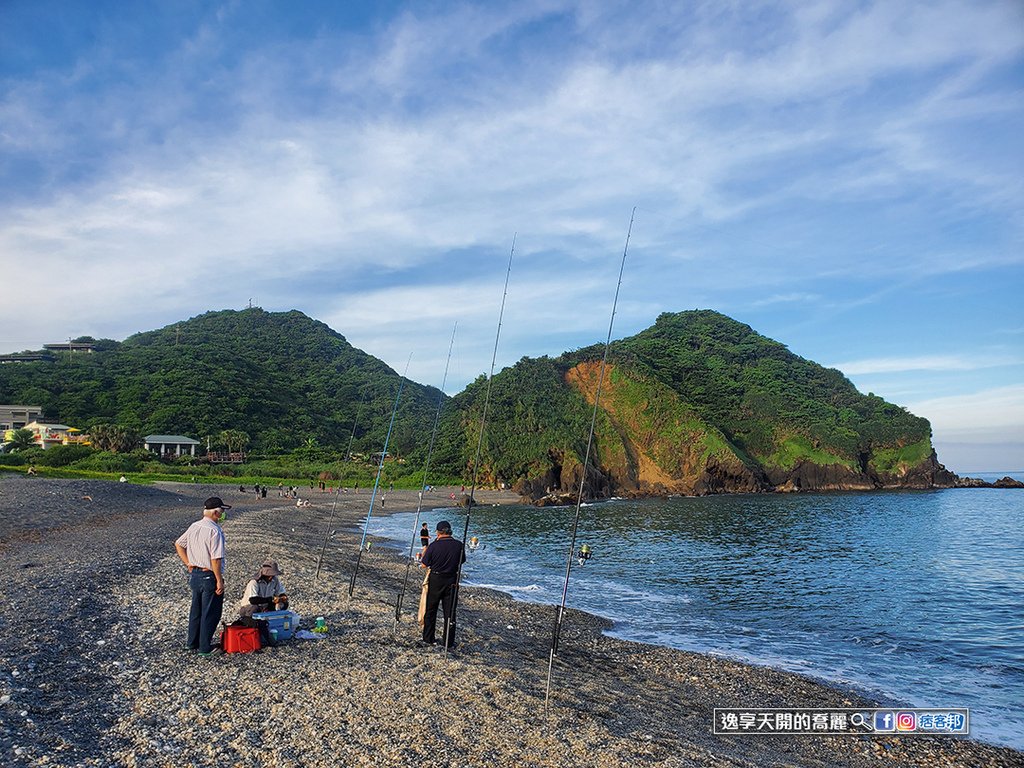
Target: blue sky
(845, 177)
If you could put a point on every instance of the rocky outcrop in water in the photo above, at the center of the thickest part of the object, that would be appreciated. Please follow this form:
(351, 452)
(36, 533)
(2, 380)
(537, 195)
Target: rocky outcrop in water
(974, 482)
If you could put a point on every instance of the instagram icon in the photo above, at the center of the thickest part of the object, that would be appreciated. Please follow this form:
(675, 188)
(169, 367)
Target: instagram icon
(906, 721)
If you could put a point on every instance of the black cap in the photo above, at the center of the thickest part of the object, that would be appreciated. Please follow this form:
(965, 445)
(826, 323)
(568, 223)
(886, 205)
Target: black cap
(214, 502)
(444, 527)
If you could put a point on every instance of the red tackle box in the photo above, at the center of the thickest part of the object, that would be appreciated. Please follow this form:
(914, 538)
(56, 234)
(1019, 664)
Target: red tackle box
(238, 639)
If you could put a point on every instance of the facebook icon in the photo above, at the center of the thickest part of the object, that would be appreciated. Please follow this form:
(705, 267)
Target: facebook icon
(885, 721)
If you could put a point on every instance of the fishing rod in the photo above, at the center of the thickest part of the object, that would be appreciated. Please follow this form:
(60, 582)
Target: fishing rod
(450, 621)
(426, 469)
(327, 533)
(337, 491)
(351, 432)
(560, 612)
(376, 482)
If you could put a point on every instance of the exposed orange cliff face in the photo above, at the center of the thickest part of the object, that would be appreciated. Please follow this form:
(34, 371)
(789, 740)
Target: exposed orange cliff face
(649, 442)
(700, 404)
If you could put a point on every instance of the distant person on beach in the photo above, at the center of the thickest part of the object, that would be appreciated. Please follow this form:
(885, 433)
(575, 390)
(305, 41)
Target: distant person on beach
(424, 536)
(264, 592)
(202, 549)
(443, 557)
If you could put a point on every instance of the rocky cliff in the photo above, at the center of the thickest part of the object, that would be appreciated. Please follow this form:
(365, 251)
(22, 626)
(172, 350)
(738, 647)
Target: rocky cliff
(697, 404)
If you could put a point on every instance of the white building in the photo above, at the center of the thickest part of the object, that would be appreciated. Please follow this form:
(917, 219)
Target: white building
(170, 445)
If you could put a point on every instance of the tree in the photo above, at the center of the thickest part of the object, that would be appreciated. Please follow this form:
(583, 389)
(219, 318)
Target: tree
(125, 440)
(281, 377)
(235, 440)
(100, 436)
(114, 438)
(22, 439)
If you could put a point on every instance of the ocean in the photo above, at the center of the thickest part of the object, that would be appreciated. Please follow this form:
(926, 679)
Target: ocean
(908, 597)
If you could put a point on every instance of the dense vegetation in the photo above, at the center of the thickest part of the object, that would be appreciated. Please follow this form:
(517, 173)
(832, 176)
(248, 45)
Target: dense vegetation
(533, 420)
(697, 388)
(766, 400)
(142, 466)
(696, 403)
(284, 379)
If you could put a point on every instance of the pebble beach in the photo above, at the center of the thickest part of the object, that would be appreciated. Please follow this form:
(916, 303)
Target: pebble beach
(94, 669)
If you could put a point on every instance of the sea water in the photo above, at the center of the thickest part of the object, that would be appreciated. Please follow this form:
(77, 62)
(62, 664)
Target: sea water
(910, 597)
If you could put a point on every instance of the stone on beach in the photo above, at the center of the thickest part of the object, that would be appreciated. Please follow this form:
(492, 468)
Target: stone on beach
(93, 669)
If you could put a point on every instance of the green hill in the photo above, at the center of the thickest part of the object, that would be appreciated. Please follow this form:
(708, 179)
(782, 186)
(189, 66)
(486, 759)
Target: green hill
(282, 377)
(698, 403)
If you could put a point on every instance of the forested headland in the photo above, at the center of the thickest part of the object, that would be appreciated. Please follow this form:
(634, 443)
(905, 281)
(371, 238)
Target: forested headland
(697, 403)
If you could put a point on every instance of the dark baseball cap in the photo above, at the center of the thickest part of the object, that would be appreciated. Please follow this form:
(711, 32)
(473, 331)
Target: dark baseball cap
(214, 502)
(444, 527)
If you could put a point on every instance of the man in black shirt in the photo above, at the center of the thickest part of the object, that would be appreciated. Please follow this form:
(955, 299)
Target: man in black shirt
(443, 557)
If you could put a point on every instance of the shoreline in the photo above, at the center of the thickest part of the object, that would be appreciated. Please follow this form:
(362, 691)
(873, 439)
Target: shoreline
(110, 684)
(851, 688)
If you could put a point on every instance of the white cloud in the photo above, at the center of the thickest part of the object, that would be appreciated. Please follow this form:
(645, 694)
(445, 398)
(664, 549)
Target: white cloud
(541, 317)
(787, 298)
(924, 363)
(989, 416)
(404, 169)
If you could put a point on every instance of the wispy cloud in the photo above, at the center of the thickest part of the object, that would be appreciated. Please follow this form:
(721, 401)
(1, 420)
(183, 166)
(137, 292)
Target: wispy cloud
(787, 298)
(371, 176)
(925, 363)
(992, 415)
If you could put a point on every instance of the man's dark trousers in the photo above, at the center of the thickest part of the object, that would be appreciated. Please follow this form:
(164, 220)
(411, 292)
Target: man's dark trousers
(440, 590)
(206, 610)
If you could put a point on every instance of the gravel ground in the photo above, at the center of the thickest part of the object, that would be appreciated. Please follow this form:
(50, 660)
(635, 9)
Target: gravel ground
(93, 670)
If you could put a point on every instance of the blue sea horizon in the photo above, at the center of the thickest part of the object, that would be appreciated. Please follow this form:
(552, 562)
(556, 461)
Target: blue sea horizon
(907, 597)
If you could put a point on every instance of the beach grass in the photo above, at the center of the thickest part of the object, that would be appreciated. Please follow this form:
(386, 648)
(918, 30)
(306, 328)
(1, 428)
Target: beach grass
(267, 473)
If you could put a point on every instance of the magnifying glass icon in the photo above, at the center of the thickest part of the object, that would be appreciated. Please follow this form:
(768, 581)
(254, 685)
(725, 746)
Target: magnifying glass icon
(858, 720)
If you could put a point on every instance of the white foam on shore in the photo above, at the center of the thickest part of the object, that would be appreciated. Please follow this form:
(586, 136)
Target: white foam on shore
(507, 587)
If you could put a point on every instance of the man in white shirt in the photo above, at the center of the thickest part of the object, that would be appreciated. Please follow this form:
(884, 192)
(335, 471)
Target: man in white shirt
(202, 549)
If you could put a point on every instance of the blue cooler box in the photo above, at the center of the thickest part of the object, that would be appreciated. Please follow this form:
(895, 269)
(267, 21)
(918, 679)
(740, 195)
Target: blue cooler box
(285, 622)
